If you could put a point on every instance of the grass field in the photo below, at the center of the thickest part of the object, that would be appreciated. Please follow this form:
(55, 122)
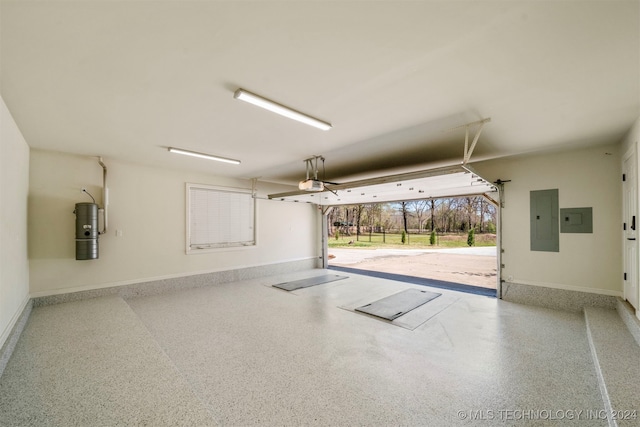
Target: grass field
(414, 241)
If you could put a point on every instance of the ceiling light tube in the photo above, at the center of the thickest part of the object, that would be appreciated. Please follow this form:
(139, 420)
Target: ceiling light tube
(203, 156)
(267, 104)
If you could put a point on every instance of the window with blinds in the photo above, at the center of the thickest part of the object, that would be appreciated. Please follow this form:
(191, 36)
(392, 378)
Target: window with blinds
(219, 217)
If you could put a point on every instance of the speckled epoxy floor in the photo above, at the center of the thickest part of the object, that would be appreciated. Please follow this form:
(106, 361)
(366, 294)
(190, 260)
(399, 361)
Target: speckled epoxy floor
(245, 353)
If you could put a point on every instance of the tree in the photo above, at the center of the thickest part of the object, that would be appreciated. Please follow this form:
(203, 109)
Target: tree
(469, 205)
(347, 230)
(330, 221)
(373, 212)
(448, 214)
(358, 209)
(419, 208)
(482, 203)
(432, 207)
(386, 216)
(488, 216)
(405, 212)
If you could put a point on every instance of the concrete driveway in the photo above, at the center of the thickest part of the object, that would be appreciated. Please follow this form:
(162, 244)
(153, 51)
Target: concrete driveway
(475, 266)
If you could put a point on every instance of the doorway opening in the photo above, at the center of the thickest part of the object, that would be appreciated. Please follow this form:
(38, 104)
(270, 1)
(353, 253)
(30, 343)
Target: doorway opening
(447, 242)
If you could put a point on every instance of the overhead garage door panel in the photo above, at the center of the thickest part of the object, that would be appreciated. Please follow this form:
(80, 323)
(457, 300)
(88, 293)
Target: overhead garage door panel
(430, 184)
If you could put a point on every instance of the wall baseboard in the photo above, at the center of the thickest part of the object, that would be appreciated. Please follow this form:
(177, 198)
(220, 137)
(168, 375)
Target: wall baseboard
(159, 286)
(558, 299)
(21, 318)
(562, 286)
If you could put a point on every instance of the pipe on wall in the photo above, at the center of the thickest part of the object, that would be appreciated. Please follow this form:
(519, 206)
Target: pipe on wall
(105, 195)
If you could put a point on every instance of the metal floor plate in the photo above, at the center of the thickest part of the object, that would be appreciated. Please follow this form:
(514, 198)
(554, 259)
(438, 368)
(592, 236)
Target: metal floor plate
(311, 281)
(398, 304)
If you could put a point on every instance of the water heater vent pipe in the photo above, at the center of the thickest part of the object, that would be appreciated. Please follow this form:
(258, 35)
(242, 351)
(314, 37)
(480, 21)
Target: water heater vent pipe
(105, 195)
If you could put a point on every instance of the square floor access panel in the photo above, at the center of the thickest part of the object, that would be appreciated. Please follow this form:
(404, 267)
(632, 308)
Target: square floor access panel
(308, 282)
(545, 225)
(396, 305)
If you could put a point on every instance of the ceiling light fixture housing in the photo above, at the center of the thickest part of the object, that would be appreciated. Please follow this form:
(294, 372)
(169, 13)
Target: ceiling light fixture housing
(203, 155)
(285, 111)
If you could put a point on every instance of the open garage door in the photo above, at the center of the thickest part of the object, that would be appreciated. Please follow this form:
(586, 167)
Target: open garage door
(453, 181)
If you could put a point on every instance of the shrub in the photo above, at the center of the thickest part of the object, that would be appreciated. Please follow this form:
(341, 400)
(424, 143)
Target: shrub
(432, 238)
(337, 234)
(404, 237)
(471, 237)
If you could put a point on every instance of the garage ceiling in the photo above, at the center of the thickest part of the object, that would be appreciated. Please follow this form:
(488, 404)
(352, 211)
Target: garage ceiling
(127, 79)
(436, 183)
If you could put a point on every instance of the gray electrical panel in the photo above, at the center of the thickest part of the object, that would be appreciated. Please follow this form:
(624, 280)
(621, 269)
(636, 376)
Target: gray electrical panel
(576, 220)
(545, 233)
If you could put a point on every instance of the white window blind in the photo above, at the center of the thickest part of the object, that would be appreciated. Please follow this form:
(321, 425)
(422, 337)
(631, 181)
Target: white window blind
(219, 217)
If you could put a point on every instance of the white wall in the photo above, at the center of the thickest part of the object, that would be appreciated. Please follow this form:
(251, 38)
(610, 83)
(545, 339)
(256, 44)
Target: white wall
(585, 178)
(148, 206)
(14, 183)
(632, 138)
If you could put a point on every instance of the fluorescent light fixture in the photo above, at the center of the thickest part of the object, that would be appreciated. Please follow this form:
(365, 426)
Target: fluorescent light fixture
(203, 156)
(267, 104)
